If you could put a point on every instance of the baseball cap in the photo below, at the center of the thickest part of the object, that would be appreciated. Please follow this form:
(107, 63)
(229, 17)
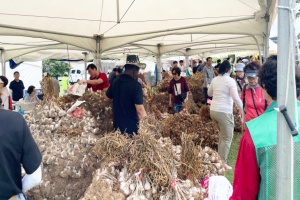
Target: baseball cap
(239, 67)
(245, 60)
(251, 73)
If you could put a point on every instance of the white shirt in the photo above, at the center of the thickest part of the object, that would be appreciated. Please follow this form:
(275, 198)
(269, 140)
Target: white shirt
(5, 98)
(223, 89)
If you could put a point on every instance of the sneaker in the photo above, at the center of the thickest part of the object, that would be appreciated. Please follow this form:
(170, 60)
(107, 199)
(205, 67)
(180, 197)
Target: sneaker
(227, 167)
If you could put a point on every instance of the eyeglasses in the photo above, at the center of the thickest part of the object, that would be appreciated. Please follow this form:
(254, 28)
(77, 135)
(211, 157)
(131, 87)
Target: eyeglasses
(174, 73)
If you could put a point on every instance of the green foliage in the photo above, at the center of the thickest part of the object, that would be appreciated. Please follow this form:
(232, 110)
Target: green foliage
(57, 68)
(233, 155)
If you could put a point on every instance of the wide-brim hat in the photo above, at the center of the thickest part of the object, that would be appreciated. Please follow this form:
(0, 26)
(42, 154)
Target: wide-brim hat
(134, 60)
(251, 73)
(239, 67)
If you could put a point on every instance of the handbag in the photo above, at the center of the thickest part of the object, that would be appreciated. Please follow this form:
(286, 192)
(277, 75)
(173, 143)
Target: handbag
(181, 97)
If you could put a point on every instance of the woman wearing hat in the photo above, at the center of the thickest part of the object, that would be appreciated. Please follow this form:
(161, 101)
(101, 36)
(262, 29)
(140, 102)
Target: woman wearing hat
(240, 78)
(252, 96)
(4, 94)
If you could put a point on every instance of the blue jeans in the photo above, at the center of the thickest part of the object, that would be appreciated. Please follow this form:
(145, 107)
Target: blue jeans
(178, 107)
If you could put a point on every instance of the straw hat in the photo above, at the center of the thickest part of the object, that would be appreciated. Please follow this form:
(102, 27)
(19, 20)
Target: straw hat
(134, 60)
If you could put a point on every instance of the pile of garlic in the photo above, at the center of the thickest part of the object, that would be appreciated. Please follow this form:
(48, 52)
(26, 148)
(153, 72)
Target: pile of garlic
(68, 163)
(212, 162)
(112, 183)
(139, 185)
(51, 119)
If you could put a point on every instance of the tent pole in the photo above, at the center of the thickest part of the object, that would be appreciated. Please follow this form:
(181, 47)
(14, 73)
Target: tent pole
(258, 47)
(187, 62)
(2, 62)
(97, 60)
(159, 66)
(285, 91)
(118, 11)
(85, 65)
(267, 34)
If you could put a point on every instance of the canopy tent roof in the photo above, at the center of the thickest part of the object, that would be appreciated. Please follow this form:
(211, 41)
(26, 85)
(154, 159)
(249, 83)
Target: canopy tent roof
(170, 25)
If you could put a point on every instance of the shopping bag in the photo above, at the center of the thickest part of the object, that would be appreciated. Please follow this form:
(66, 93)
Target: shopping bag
(78, 89)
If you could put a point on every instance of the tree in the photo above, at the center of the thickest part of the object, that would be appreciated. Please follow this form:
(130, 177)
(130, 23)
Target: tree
(56, 68)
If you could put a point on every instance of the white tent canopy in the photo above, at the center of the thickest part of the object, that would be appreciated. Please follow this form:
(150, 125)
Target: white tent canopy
(99, 26)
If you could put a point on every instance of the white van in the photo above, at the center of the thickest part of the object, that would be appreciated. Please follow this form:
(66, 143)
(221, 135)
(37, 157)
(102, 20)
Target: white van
(77, 74)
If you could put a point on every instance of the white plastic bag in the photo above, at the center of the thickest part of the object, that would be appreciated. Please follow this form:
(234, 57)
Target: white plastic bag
(75, 105)
(219, 188)
(78, 89)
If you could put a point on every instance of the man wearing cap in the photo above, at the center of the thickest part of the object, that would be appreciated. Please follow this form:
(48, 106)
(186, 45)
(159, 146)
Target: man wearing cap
(240, 78)
(98, 80)
(252, 96)
(127, 95)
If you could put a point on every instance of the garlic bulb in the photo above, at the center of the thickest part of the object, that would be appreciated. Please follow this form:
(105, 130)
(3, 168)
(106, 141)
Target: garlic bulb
(147, 186)
(132, 186)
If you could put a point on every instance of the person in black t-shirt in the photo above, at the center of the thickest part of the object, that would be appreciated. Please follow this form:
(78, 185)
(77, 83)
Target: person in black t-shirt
(195, 66)
(17, 87)
(218, 65)
(17, 147)
(127, 95)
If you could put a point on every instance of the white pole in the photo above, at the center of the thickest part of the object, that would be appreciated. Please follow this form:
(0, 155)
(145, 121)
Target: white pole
(186, 63)
(2, 69)
(285, 96)
(2, 62)
(267, 35)
(85, 65)
(258, 47)
(159, 65)
(266, 53)
(97, 60)
(118, 11)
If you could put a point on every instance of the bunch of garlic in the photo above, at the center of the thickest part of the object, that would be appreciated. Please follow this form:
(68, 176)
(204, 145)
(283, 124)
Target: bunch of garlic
(66, 160)
(102, 187)
(139, 188)
(51, 119)
(212, 162)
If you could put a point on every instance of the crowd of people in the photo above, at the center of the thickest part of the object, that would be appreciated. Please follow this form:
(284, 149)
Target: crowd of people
(253, 90)
(220, 89)
(15, 91)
